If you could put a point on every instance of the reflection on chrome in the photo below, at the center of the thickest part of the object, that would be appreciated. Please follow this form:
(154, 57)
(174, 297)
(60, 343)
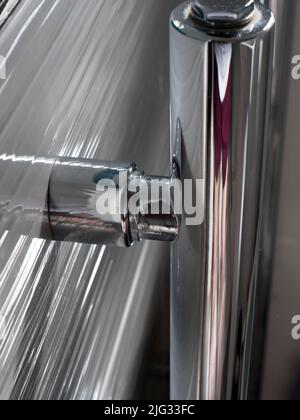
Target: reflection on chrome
(220, 66)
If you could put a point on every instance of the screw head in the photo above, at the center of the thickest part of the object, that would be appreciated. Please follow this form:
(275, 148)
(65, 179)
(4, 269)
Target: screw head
(223, 13)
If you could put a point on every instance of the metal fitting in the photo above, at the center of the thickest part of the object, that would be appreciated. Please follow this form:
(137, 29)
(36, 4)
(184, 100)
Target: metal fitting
(223, 13)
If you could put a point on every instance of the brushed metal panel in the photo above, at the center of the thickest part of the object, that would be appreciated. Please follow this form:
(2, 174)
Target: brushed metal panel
(90, 79)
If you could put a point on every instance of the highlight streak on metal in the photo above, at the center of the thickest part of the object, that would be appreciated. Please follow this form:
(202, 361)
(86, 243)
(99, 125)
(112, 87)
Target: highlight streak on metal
(6, 8)
(88, 79)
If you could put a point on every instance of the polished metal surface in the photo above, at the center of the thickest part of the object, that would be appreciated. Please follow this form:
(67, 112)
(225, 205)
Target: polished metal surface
(221, 13)
(24, 184)
(85, 79)
(184, 21)
(73, 199)
(273, 369)
(89, 79)
(220, 88)
(155, 218)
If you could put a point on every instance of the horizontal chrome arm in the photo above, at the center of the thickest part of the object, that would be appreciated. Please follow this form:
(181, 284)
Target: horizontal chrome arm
(87, 201)
(220, 86)
(220, 83)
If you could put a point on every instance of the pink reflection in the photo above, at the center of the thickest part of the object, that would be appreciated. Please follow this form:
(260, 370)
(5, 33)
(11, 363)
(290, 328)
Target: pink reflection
(222, 94)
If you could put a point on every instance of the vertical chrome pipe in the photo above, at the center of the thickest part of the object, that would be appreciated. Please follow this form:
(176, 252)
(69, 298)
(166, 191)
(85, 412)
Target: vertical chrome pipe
(220, 83)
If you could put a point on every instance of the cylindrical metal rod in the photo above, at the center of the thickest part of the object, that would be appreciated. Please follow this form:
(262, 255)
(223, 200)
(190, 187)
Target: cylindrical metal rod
(24, 184)
(74, 195)
(85, 201)
(220, 83)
